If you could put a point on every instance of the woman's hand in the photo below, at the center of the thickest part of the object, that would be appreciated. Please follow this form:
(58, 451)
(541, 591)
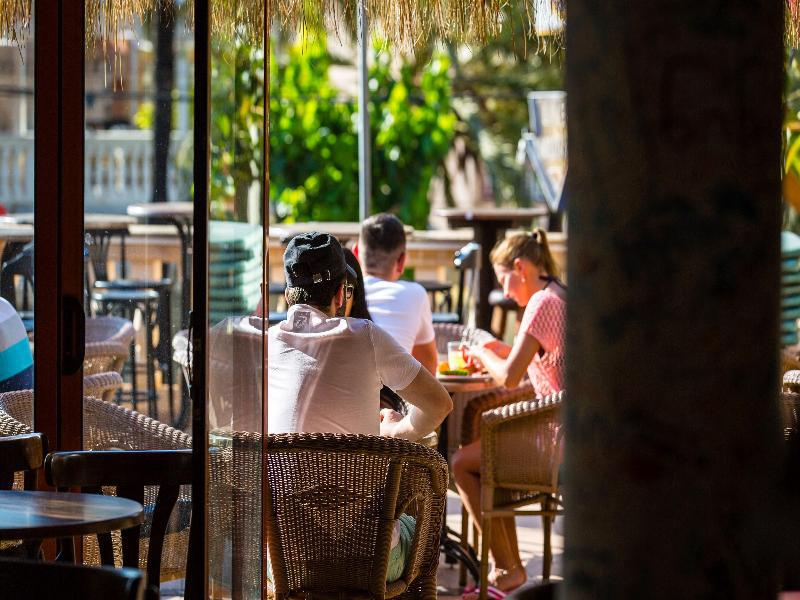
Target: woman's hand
(472, 358)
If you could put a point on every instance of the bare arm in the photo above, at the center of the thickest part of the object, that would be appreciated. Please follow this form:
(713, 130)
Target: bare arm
(427, 355)
(508, 371)
(430, 404)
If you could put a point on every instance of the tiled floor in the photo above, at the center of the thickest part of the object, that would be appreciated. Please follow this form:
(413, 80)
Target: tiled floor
(529, 530)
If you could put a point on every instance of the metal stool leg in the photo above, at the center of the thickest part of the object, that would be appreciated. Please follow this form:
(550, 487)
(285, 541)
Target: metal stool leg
(151, 394)
(164, 337)
(130, 313)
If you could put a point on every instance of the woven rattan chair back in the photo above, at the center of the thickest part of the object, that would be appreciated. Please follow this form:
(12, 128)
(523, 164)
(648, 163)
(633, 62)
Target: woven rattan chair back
(129, 472)
(332, 502)
(107, 426)
(520, 460)
(473, 411)
(102, 385)
(108, 341)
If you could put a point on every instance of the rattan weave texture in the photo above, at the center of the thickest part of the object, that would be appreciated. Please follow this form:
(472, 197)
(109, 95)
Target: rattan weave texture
(108, 341)
(108, 426)
(333, 500)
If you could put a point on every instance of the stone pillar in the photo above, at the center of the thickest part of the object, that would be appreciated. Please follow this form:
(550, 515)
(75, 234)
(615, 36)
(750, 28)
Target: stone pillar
(674, 116)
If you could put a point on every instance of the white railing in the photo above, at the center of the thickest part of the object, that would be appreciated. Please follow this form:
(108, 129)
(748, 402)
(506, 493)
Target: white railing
(118, 170)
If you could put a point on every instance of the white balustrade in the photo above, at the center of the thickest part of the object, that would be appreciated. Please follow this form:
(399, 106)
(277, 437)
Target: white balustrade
(118, 170)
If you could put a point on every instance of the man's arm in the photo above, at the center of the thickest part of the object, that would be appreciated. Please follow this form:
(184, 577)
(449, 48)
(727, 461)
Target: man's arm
(427, 355)
(430, 404)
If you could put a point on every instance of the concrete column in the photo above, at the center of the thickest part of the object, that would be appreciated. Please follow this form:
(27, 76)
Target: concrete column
(673, 442)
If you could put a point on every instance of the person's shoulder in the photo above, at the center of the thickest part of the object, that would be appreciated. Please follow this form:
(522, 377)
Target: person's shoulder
(6, 309)
(413, 289)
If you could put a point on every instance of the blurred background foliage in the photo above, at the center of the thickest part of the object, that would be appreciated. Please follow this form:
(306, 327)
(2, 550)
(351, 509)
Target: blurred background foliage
(418, 105)
(490, 88)
(314, 135)
(791, 143)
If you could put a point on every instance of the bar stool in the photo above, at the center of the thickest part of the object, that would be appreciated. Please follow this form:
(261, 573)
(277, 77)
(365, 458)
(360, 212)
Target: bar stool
(162, 350)
(126, 303)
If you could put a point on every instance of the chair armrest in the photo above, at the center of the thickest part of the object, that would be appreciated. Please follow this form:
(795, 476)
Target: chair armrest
(99, 383)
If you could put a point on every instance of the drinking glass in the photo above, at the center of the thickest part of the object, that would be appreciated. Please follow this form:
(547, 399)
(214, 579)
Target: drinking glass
(455, 357)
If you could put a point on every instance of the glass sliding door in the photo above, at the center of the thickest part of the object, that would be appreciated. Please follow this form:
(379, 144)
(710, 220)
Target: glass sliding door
(236, 335)
(17, 168)
(136, 234)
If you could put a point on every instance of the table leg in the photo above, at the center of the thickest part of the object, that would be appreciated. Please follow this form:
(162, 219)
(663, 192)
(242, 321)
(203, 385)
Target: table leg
(486, 234)
(184, 228)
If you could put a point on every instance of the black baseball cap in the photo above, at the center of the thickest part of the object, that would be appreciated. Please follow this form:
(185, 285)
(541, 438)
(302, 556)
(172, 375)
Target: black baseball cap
(314, 257)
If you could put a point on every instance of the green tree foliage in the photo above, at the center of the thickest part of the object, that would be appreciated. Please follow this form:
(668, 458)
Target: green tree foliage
(314, 140)
(237, 112)
(490, 85)
(791, 142)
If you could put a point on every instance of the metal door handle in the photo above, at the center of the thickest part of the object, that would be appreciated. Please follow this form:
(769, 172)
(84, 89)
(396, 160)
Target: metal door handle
(73, 335)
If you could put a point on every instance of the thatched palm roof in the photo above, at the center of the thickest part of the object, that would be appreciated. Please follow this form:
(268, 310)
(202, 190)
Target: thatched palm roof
(406, 23)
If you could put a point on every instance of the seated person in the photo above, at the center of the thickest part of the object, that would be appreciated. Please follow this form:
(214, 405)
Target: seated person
(356, 306)
(399, 307)
(326, 372)
(16, 360)
(528, 274)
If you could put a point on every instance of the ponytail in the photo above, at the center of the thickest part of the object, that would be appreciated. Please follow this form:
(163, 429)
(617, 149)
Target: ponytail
(533, 246)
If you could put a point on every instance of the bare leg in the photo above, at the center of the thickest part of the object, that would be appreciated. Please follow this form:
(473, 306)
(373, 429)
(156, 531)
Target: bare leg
(509, 572)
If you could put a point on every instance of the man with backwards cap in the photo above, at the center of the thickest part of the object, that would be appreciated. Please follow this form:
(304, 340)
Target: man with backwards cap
(326, 372)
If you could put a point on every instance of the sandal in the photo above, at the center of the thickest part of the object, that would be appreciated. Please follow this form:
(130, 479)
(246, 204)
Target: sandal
(491, 592)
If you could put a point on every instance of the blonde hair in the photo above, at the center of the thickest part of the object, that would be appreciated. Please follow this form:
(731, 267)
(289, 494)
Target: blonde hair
(532, 246)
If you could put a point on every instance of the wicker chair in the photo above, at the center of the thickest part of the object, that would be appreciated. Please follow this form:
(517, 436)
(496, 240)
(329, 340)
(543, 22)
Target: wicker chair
(332, 503)
(471, 431)
(108, 343)
(521, 456)
(107, 426)
(102, 385)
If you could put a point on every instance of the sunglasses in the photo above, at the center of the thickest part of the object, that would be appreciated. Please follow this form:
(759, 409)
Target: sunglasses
(349, 288)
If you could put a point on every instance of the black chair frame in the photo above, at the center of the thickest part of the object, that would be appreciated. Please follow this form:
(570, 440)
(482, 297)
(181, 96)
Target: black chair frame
(129, 472)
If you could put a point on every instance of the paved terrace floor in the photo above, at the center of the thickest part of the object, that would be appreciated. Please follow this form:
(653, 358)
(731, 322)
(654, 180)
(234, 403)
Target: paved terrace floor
(531, 546)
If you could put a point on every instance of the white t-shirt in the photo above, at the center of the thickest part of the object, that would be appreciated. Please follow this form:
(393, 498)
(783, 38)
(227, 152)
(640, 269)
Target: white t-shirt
(402, 309)
(326, 373)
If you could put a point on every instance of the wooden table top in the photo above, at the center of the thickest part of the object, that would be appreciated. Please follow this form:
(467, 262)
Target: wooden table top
(39, 515)
(467, 384)
(162, 209)
(472, 215)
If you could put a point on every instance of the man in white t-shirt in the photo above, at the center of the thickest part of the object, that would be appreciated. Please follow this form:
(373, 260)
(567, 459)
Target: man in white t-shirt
(326, 372)
(400, 307)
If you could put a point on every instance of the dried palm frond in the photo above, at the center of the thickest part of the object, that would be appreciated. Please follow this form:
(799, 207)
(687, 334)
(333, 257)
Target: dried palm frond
(792, 23)
(405, 23)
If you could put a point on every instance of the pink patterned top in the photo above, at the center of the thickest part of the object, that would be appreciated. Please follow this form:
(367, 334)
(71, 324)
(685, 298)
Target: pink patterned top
(545, 319)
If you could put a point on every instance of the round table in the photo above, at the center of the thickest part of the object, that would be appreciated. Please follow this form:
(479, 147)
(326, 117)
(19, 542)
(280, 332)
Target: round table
(30, 515)
(459, 385)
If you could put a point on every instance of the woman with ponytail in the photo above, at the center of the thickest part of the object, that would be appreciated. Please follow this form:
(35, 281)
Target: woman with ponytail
(528, 275)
